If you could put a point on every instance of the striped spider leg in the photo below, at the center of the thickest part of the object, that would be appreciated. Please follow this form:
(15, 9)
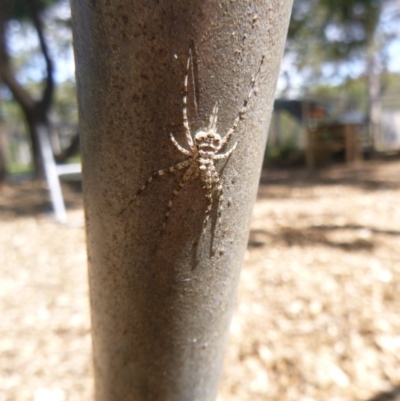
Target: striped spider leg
(202, 151)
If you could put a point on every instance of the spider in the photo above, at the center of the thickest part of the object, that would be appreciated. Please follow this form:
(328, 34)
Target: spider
(203, 151)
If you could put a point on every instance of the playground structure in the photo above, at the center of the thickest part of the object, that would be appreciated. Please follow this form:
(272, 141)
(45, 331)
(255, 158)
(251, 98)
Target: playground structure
(323, 130)
(54, 172)
(330, 129)
(56, 138)
(326, 140)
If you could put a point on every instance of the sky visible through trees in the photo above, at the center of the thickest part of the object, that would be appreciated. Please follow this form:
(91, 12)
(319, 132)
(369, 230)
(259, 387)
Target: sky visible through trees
(330, 43)
(23, 45)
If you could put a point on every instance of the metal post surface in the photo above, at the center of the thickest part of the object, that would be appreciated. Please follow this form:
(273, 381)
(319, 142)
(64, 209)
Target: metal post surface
(161, 304)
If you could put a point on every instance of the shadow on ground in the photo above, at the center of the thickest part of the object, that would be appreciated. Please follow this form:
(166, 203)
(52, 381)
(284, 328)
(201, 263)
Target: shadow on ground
(350, 238)
(32, 198)
(392, 395)
(370, 176)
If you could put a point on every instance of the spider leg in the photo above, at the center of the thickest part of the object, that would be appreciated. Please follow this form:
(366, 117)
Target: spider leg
(243, 110)
(226, 154)
(182, 183)
(209, 174)
(185, 96)
(179, 147)
(220, 196)
(193, 83)
(213, 118)
(157, 174)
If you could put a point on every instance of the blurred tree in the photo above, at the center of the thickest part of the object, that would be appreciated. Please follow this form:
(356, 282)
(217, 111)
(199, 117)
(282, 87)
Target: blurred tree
(3, 157)
(344, 32)
(336, 28)
(331, 31)
(35, 110)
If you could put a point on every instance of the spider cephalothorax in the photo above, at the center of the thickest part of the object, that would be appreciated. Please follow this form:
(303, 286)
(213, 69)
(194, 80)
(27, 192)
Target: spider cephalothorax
(203, 151)
(208, 144)
(207, 140)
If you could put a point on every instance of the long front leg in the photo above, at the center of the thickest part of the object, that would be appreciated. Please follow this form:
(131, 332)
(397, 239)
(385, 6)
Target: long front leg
(226, 154)
(220, 196)
(179, 147)
(209, 183)
(243, 109)
(185, 96)
(212, 125)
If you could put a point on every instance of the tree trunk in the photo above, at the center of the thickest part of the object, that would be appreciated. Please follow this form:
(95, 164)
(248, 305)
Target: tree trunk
(35, 111)
(3, 149)
(161, 304)
(374, 102)
(33, 121)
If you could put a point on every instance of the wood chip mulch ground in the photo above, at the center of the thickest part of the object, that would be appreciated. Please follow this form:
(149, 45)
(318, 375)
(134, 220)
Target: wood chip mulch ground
(318, 309)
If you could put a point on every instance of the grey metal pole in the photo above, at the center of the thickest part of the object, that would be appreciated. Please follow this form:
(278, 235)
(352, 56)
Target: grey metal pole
(161, 304)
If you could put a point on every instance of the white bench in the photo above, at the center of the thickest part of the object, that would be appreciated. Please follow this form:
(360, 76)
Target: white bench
(53, 173)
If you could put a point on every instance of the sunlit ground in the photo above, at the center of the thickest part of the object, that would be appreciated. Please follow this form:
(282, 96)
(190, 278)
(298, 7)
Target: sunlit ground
(318, 312)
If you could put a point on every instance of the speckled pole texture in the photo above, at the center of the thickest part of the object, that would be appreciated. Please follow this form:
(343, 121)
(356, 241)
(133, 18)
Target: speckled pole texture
(161, 306)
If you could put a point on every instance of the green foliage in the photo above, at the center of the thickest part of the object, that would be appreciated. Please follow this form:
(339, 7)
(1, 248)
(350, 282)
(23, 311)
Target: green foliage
(20, 8)
(20, 169)
(353, 91)
(18, 159)
(355, 19)
(391, 84)
(288, 151)
(284, 140)
(64, 118)
(331, 30)
(65, 105)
